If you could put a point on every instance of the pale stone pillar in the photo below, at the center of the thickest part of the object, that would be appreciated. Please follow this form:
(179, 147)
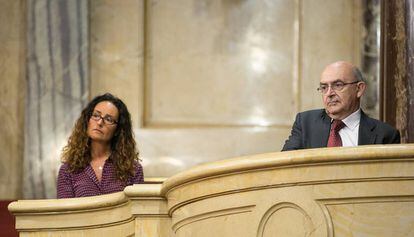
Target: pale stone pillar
(12, 92)
(57, 90)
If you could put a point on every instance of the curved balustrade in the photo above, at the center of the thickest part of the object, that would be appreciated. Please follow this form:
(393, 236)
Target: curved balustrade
(359, 191)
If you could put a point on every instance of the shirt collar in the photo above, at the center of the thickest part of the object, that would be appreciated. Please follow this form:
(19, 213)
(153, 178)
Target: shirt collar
(352, 121)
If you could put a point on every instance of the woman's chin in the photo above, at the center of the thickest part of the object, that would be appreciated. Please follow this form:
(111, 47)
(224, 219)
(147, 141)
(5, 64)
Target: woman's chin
(96, 138)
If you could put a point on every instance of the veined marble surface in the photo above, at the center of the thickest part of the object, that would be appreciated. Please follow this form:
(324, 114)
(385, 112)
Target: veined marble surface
(57, 87)
(12, 95)
(203, 80)
(370, 52)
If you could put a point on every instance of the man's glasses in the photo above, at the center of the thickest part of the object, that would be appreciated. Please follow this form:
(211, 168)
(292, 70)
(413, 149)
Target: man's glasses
(107, 119)
(336, 86)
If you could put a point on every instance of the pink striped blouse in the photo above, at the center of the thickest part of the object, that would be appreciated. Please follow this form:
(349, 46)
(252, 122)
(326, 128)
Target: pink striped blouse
(85, 183)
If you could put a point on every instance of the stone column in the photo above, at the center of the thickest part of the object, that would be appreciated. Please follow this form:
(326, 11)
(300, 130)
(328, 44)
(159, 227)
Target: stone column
(370, 50)
(12, 92)
(57, 87)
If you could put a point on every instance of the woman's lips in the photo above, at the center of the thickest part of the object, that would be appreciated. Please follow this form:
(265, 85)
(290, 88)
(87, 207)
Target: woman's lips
(97, 130)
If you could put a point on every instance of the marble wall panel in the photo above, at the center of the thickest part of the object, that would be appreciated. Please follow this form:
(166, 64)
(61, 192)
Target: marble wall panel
(220, 62)
(370, 55)
(216, 65)
(167, 151)
(57, 87)
(12, 92)
(203, 80)
(207, 80)
(329, 32)
(117, 52)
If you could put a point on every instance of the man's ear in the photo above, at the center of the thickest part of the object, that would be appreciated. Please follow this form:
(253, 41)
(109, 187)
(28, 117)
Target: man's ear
(361, 89)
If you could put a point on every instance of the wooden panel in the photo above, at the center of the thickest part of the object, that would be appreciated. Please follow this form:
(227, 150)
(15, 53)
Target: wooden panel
(393, 107)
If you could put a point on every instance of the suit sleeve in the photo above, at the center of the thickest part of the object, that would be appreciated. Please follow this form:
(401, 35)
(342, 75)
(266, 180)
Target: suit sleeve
(394, 137)
(294, 142)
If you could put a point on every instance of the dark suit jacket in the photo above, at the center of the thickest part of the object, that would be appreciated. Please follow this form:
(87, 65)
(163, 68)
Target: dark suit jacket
(311, 130)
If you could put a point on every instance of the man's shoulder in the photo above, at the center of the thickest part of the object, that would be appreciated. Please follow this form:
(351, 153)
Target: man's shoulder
(377, 123)
(314, 113)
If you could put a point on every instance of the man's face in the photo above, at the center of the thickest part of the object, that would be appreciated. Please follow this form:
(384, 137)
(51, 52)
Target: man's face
(340, 99)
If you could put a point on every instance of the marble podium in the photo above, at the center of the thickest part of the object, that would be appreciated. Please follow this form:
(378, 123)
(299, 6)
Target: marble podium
(360, 191)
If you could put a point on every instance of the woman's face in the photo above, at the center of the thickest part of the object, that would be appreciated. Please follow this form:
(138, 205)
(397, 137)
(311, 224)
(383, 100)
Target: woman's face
(103, 122)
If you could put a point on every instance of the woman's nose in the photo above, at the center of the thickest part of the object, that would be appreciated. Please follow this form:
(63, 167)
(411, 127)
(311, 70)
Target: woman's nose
(100, 122)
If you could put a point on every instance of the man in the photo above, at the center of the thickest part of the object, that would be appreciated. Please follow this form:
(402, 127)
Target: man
(342, 122)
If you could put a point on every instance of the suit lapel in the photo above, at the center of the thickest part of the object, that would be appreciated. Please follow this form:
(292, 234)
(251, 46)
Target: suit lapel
(322, 127)
(367, 134)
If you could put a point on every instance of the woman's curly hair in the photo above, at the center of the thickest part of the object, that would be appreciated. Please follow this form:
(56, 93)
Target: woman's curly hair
(77, 153)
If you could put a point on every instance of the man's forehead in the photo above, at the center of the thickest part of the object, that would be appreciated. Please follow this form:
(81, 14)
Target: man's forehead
(337, 72)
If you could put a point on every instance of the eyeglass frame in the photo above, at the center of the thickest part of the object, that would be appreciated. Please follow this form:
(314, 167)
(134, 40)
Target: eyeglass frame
(96, 117)
(343, 84)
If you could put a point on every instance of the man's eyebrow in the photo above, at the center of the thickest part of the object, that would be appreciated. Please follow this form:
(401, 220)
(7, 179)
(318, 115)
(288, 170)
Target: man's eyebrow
(337, 80)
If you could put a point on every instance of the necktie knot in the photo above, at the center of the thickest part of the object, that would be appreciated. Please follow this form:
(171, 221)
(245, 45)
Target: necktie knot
(337, 125)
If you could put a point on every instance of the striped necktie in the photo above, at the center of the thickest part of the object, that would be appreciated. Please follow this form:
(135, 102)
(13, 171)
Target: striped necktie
(334, 138)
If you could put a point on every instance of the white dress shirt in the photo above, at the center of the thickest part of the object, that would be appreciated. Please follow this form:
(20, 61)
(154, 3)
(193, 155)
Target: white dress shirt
(349, 134)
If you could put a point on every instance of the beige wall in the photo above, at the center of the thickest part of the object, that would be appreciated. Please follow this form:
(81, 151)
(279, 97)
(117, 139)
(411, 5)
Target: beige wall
(203, 80)
(116, 51)
(12, 92)
(206, 80)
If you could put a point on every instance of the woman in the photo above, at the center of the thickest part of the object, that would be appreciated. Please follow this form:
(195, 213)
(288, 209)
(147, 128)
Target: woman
(101, 155)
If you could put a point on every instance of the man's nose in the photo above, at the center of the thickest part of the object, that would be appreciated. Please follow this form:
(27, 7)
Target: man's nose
(330, 91)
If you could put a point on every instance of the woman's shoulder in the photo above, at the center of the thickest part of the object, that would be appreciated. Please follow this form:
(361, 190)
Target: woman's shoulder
(64, 170)
(137, 165)
(139, 172)
(64, 166)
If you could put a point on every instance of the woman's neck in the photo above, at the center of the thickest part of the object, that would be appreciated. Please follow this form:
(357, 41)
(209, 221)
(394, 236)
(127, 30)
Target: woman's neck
(100, 151)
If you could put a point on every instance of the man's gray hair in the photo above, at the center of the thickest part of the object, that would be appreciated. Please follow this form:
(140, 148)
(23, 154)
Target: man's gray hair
(358, 74)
